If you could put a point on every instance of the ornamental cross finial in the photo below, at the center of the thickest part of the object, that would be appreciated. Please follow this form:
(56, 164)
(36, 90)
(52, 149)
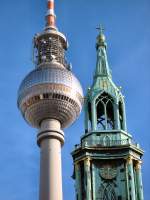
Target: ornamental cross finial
(100, 28)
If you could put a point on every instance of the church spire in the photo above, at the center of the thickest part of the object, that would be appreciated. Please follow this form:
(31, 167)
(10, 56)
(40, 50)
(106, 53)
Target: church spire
(106, 163)
(102, 67)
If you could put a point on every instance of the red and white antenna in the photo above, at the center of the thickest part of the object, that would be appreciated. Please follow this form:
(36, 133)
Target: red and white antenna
(50, 15)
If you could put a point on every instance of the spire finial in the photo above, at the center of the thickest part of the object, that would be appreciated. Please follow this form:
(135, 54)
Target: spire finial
(50, 15)
(100, 28)
(101, 37)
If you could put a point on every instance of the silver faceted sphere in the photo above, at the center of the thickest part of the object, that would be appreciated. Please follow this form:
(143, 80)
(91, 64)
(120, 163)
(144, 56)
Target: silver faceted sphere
(50, 91)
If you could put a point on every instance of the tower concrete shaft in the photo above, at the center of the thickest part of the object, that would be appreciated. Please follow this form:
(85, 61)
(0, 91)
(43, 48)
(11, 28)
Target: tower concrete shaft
(50, 139)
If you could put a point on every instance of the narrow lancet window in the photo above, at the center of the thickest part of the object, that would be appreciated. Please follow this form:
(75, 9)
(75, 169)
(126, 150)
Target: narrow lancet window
(121, 115)
(89, 116)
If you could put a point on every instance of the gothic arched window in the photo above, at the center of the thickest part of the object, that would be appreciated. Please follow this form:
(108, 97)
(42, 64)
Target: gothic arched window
(105, 112)
(107, 192)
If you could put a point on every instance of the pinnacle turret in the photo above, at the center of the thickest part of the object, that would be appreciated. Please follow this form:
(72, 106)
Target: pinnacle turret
(102, 67)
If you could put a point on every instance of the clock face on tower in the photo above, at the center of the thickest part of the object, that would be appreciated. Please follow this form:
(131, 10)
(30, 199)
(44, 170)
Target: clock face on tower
(108, 172)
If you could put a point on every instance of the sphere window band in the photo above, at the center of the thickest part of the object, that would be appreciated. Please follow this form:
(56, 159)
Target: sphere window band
(35, 99)
(57, 87)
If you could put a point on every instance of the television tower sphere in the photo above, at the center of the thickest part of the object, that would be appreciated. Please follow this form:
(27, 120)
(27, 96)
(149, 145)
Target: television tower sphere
(50, 92)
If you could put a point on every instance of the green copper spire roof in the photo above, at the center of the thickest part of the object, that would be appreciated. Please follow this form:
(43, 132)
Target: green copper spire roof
(102, 67)
(102, 77)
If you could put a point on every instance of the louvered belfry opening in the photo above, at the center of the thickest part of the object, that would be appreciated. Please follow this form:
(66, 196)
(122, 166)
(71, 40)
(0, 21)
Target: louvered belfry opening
(105, 112)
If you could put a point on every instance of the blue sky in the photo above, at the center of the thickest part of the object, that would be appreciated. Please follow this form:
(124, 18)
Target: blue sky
(127, 28)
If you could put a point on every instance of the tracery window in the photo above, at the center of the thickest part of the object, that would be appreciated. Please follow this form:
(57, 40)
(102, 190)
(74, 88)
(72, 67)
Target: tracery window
(105, 112)
(107, 192)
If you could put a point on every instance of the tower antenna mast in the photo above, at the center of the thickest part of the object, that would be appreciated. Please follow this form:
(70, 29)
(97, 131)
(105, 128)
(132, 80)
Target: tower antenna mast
(50, 15)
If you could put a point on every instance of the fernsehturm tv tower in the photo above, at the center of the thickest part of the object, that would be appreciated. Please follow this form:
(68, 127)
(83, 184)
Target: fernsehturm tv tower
(50, 99)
